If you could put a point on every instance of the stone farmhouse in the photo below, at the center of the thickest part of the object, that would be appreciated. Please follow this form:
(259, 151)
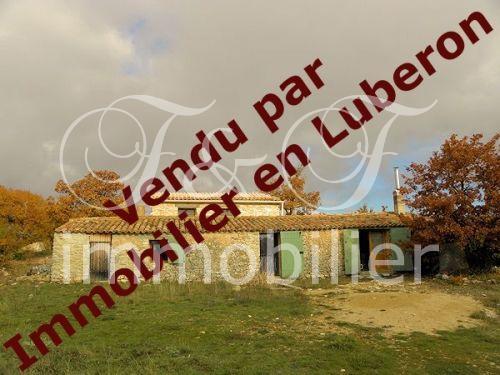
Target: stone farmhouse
(260, 241)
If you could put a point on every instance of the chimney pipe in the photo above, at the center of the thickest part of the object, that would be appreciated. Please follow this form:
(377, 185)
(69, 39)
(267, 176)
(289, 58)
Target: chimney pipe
(396, 177)
(399, 204)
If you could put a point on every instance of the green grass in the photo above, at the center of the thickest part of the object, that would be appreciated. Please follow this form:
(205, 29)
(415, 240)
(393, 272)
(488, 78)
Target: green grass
(197, 328)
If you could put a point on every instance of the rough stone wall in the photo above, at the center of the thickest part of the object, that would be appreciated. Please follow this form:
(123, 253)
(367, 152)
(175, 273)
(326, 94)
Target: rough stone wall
(341, 252)
(327, 242)
(260, 209)
(209, 255)
(247, 209)
(71, 249)
(164, 209)
(206, 261)
(323, 255)
(74, 250)
(121, 243)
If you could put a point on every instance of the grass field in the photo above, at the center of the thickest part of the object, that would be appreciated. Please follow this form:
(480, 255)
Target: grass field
(196, 328)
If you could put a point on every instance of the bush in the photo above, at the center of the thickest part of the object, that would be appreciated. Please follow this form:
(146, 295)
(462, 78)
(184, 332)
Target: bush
(18, 255)
(480, 258)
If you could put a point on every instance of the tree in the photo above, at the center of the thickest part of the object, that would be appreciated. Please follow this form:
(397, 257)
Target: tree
(297, 201)
(454, 198)
(364, 209)
(24, 219)
(84, 197)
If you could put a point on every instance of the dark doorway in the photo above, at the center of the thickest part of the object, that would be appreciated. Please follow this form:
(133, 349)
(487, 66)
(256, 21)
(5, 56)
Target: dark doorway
(270, 259)
(364, 249)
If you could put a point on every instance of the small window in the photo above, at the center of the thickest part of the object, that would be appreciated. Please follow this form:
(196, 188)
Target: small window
(155, 245)
(191, 212)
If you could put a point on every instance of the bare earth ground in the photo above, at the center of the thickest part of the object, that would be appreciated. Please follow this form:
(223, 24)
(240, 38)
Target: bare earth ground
(397, 309)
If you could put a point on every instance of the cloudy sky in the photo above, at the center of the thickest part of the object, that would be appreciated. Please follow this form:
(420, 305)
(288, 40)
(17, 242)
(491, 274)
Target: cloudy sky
(62, 59)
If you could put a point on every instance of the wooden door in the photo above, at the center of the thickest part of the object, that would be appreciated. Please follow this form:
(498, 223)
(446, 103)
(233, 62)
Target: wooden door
(99, 260)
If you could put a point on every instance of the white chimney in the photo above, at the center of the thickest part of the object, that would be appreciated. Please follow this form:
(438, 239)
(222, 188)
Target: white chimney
(396, 177)
(399, 204)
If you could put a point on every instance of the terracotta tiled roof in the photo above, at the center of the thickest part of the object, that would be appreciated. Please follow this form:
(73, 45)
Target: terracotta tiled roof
(255, 196)
(149, 224)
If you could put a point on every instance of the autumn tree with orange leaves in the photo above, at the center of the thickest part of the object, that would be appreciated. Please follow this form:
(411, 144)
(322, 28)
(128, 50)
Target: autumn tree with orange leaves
(297, 200)
(455, 198)
(24, 219)
(85, 196)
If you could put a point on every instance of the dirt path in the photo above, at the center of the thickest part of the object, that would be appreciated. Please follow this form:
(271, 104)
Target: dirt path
(401, 309)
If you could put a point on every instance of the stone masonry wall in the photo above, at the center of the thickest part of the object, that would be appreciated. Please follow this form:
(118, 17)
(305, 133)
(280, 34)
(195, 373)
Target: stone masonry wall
(165, 209)
(71, 249)
(260, 209)
(324, 246)
(171, 209)
(219, 249)
(203, 256)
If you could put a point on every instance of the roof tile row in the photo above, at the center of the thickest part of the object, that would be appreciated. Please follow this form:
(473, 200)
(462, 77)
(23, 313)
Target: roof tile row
(149, 224)
(194, 196)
